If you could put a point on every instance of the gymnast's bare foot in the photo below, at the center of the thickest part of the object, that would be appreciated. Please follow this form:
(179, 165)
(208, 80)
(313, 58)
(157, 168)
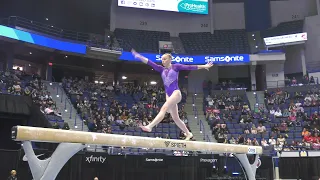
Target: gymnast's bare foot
(188, 137)
(145, 128)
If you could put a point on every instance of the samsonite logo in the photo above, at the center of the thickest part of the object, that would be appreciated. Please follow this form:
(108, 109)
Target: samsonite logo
(178, 59)
(224, 59)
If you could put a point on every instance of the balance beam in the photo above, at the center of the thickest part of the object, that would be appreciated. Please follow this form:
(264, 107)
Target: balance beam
(24, 133)
(73, 141)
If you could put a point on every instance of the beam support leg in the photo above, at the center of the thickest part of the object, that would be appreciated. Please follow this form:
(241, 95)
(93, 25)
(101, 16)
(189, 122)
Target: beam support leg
(250, 169)
(48, 169)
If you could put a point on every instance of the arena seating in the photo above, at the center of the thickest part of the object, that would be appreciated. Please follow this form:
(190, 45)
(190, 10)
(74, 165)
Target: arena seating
(16, 82)
(284, 28)
(291, 121)
(221, 42)
(143, 41)
(122, 109)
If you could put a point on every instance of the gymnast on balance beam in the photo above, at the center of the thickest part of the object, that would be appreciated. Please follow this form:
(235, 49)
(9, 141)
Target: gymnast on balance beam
(170, 73)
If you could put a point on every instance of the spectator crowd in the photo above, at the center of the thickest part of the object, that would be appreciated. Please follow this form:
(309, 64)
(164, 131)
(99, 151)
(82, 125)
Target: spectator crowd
(108, 108)
(289, 121)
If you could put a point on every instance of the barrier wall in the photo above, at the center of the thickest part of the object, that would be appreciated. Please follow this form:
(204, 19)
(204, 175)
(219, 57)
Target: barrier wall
(87, 165)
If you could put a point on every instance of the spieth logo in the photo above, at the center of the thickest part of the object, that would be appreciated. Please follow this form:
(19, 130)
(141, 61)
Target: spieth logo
(175, 145)
(178, 59)
(91, 159)
(154, 160)
(224, 59)
(208, 160)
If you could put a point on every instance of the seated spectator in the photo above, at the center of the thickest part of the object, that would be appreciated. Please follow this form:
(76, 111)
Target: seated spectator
(294, 81)
(305, 132)
(283, 127)
(281, 140)
(248, 142)
(272, 111)
(232, 140)
(264, 142)
(312, 80)
(278, 113)
(246, 130)
(286, 113)
(261, 129)
(272, 141)
(315, 116)
(275, 129)
(241, 139)
(254, 129)
(255, 142)
(292, 117)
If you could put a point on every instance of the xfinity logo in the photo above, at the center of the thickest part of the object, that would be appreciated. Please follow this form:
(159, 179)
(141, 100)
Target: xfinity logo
(91, 159)
(177, 59)
(208, 160)
(154, 160)
(224, 59)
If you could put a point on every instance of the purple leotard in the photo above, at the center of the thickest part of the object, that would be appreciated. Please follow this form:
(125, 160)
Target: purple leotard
(170, 75)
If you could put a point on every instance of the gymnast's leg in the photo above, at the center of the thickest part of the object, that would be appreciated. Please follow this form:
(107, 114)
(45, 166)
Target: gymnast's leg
(175, 116)
(174, 99)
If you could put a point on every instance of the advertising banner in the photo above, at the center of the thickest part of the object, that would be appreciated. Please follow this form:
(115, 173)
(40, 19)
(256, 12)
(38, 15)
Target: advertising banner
(188, 59)
(95, 159)
(154, 160)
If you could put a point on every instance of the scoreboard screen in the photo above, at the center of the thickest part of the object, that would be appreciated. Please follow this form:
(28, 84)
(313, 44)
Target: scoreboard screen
(185, 6)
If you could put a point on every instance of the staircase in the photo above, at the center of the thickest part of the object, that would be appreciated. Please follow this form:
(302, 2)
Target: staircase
(68, 112)
(256, 99)
(260, 98)
(194, 119)
(177, 45)
(252, 99)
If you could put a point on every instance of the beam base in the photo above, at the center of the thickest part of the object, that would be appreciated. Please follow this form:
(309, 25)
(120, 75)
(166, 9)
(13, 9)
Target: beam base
(250, 169)
(48, 169)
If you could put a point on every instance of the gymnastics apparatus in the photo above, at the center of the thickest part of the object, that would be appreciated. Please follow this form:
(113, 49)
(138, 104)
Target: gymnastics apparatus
(72, 142)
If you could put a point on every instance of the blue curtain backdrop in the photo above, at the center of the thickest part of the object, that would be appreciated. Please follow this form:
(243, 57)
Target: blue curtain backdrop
(257, 14)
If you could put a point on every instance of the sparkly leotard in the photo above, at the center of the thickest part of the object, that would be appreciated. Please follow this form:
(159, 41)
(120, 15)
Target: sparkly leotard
(170, 75)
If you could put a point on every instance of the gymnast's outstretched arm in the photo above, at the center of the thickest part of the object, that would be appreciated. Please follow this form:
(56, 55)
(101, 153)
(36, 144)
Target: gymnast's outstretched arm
(146, 61)
(193, 67)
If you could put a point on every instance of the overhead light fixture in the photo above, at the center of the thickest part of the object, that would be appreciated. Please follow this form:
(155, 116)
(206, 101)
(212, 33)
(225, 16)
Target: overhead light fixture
(124, 77)
(66, 56)
(153, 83)
(29, 65)
(96, 82)
(102, 65)
(30, 52)
(47, 19)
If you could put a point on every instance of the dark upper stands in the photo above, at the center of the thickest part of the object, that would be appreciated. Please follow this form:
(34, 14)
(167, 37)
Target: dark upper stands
(144, 41)
(284, 28)
(221, 42)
